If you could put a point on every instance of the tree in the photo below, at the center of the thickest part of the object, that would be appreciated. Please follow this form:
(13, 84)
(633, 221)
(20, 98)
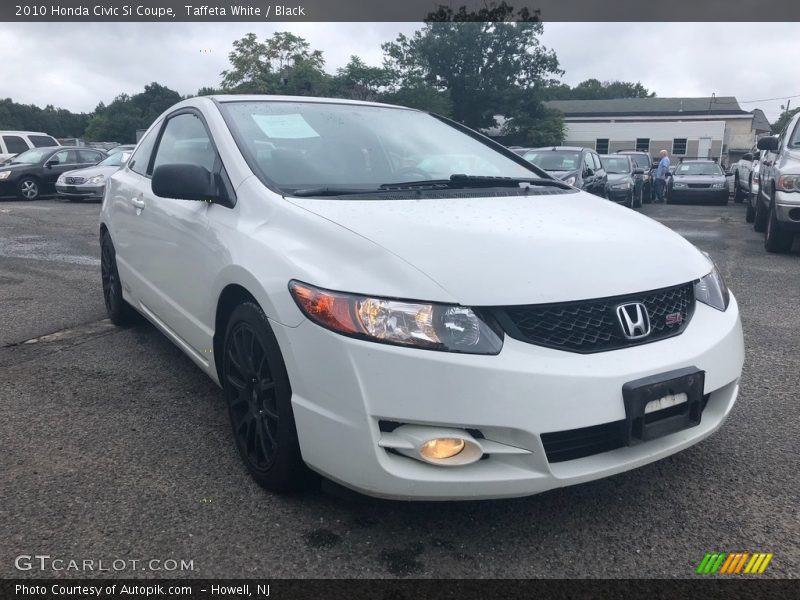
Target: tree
(785, 117)
(534, 126)
(57, 122)
(358, 81)
(485, 68)
(119, 120)
(282, 64)
(594, 89)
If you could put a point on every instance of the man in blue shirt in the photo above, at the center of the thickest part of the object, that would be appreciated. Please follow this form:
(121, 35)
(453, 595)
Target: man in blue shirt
(662, 172)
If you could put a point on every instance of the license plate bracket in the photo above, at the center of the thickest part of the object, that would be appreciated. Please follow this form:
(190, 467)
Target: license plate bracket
(641, 426)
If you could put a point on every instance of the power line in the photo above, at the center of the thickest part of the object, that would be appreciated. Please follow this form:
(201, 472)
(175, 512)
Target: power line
(761, 100)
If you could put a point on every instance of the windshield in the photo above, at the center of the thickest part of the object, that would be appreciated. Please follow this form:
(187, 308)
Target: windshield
(115, 160)
(704, 168)
(615, 164)
(796, 137)
(640, 160)
(30, 157)
(301, 145)
(555, 160)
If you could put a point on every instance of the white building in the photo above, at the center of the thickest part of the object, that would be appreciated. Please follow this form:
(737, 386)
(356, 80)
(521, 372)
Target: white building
(698, 127)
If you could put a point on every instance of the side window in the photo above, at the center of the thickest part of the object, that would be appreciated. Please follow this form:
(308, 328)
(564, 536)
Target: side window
(89, 156)
(597, 164)
(62, 157)
(185, 141)
(14, 144)
(141, 158)
(588, 163)
(42, 141)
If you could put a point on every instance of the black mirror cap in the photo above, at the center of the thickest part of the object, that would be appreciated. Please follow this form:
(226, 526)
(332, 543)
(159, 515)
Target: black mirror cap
(184, 182)
(768, 143)
(747, 157)
(638, 171)
(51, 163)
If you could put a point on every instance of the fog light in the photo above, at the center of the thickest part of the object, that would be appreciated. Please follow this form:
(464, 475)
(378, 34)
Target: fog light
(794, 214)
(441, 448)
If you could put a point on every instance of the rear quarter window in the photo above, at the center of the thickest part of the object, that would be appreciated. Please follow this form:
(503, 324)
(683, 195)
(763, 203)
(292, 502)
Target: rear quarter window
(14, 144)
(42, 141)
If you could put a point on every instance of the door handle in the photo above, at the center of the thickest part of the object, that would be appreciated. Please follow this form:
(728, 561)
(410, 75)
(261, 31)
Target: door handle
(138, 202)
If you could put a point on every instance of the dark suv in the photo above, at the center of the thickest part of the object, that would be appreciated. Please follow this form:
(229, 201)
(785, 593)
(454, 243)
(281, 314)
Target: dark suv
(643, 161)
(579, 167)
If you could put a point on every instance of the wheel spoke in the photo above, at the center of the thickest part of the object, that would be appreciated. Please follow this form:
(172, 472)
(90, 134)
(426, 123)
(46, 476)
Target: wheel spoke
(236, 382)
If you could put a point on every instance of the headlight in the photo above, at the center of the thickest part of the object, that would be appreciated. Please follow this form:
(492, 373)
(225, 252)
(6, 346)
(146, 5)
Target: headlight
(4, 175)
(96, 179)
(444, 327)
(621, 186)
(719, 185)
(712, 290)
(679, 186)
(569, 180)
(786, 183)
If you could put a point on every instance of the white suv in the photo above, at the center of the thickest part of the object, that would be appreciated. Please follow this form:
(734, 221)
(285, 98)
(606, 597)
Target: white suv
(407, 307)
(16, 142)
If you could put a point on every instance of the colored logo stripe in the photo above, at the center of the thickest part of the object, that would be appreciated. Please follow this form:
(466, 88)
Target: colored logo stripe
(734, 563)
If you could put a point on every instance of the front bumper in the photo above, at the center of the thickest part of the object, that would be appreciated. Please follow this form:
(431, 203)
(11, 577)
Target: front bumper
(80, 191)
(343, 388)
(700, 194)
(619, 196)
(787, 210)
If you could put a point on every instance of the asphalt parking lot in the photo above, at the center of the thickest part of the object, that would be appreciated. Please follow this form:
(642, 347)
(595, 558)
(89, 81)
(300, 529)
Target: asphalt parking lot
(113, 445)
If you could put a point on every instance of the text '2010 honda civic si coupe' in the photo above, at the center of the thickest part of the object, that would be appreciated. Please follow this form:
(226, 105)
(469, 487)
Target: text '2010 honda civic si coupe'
(408, 308)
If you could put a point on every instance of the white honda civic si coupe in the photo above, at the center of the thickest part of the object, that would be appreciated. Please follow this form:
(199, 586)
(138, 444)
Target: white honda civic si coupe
(406, 307)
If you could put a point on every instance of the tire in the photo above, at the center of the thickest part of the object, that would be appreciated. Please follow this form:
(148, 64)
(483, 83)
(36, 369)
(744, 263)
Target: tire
(29, 188)
(760, 216)
(750, 212)
(775, 240)
(636, 202)
(738, 192)
(119, 311)
(258, 394)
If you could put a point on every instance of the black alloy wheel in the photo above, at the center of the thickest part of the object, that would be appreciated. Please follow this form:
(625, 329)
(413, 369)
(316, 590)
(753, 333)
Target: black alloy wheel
(119, 311)
(258, 394)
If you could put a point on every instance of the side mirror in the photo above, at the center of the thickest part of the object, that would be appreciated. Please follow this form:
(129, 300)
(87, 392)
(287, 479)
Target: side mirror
(184, 182)
(53, 162)
(748, 157)
(638, 171)
(728, 173)
(768, 143)
(587, 172)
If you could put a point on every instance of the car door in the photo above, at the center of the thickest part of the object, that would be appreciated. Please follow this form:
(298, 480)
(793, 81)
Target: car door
(600, 176)
(588, 177)
(60, 162)
(167, 245)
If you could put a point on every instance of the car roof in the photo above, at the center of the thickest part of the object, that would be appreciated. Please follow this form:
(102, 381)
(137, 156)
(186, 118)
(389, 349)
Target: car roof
(556, 148)
(225, 98)
(615, 155)
(699, 160)
(10, 132)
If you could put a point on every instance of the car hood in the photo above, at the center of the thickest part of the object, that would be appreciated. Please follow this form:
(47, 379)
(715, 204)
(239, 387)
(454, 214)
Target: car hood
(16, 167)
(699, 178)
(92, 171)
(619, 177)
(522, 250)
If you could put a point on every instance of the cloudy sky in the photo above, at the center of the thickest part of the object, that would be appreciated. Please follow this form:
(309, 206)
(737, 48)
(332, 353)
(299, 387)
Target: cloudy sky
(76, 65)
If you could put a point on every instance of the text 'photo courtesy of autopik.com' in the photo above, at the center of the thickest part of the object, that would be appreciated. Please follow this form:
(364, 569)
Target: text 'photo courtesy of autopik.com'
(478, 299)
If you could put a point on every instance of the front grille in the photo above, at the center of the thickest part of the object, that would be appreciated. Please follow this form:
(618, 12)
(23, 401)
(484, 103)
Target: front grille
(560, 446)
(588, 326)
(74, 180)
(700, 186)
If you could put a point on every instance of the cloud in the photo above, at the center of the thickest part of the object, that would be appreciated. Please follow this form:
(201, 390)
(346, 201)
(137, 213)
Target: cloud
(77, 65)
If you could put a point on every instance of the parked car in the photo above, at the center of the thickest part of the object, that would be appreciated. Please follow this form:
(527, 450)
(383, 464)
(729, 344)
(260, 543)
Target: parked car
(754, 187)
(121, 148)
(698, 180)
(35, 171)
(624, 180)
(15, 142)
(777, 210)
(490, 334)
(742, 174)
(579, 167)
(90, 183)
(643, 161)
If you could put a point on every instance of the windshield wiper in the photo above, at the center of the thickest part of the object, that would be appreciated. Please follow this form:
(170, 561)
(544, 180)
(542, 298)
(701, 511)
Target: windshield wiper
(459, 181)
(334, 191)
(454, 182)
